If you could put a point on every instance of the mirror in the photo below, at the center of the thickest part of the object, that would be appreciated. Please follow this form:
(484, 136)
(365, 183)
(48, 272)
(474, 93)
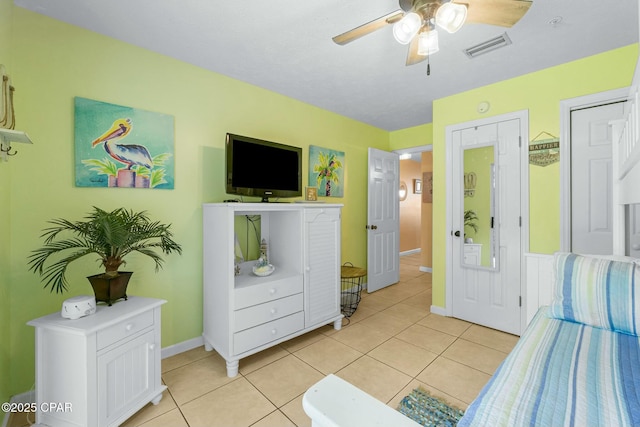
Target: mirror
(479, 208)
(402, 193)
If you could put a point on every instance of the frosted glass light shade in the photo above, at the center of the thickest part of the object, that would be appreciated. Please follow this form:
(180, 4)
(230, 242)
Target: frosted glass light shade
(428, 43)
(406, 28)
(451, 16)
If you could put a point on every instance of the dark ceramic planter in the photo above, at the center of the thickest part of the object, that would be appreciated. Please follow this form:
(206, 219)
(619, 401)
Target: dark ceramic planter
(110, 288)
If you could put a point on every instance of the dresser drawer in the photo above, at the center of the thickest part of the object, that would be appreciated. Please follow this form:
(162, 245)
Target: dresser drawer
(267, 332)
(270, 290)
(131, 326)
(272, 310)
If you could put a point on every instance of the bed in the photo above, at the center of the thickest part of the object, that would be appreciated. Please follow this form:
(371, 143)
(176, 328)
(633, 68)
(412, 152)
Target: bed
(578, 362)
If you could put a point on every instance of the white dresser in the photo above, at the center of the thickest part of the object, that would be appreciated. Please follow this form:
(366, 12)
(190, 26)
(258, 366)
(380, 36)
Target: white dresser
(99, 369)
(245, 314)
(472, 253)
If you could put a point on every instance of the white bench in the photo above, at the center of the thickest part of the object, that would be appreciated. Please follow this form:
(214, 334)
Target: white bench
(333, 402)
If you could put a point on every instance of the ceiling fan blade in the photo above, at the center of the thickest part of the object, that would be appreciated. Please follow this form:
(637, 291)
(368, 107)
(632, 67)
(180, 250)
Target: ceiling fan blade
(503, 13)
(368, 28)
(412, 55)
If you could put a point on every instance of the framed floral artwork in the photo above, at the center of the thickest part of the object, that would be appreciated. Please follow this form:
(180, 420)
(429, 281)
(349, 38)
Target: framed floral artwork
(326, 171)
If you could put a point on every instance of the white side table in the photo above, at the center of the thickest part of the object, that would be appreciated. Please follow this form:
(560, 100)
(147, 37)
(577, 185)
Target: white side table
(101, 369)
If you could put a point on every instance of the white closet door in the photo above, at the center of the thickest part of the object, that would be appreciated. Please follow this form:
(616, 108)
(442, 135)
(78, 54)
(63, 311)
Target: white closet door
(591, 179)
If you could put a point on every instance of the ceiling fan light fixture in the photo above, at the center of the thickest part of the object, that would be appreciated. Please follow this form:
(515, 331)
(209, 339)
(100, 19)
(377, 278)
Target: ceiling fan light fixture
(428, 43)
(451, 16)
(405, 29)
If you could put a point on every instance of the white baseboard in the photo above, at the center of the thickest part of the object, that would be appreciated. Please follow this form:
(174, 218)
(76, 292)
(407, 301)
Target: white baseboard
(426, 269)
(181, 347)
(441, 311)
(411, 252)
(26, 397)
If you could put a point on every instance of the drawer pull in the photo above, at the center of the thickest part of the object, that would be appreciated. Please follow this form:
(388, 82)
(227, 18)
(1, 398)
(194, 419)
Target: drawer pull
(274, 331)
(152, 347)
(129, 326)
(274, 311)
(272, 291)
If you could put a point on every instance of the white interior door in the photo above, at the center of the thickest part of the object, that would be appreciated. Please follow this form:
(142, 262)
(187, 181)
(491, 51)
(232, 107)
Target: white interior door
(591, 179)
(489, 294)
(383, 220)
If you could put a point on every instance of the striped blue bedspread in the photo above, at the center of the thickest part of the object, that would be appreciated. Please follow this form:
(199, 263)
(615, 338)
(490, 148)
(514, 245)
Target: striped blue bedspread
(563, 374)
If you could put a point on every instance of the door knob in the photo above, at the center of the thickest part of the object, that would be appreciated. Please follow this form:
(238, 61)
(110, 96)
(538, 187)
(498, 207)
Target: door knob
(372, 227)
(457, 234)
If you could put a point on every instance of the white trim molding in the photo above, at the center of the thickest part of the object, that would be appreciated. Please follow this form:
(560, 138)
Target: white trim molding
(181, 347)
(440, 311)
(26, 397)
(410, 252)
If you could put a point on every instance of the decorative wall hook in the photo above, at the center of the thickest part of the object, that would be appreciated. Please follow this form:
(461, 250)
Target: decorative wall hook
(7, 136)
(7, 151)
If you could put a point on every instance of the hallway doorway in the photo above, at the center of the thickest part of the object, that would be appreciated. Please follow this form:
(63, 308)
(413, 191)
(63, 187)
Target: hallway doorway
(416, 168)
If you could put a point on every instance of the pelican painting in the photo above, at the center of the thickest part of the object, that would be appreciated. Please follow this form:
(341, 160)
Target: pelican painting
(136, 146)
(131, 154)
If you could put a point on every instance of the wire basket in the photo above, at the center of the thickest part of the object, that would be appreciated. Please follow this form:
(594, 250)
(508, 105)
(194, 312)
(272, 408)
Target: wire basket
(351, 285)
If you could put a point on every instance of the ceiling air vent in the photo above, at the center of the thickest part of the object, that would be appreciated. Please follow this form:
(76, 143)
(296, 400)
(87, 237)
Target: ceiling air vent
(487, 46)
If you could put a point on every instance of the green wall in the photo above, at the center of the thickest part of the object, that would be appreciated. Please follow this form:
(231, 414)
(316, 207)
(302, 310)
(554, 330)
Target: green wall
(53, 63)
(411, 137)
(5, 212)
(540, 93)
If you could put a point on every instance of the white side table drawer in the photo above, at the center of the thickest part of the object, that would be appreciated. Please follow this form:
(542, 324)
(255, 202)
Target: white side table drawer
(272, 310)
(262, 334)
(128, 327)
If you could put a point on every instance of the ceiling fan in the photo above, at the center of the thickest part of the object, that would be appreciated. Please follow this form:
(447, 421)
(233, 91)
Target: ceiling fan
(415, 22)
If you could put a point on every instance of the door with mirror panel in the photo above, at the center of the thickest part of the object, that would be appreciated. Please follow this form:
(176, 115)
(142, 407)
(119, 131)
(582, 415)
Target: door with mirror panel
(486, 247)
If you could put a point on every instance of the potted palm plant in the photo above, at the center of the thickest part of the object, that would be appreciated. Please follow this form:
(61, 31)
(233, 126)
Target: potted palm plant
(470, 220)
(109, 235)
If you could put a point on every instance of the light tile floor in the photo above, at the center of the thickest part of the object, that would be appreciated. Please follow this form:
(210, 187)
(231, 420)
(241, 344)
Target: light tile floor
(391, 345)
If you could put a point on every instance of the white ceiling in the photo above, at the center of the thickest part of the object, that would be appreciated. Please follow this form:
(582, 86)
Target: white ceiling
(285, 46)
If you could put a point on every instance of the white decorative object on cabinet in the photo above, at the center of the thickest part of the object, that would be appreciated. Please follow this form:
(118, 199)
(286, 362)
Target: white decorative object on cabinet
(106, 366)
(244, 314)
(472, 253)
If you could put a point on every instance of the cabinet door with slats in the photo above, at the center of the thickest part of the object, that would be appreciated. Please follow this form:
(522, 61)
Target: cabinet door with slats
(321, 264)
(125, 375)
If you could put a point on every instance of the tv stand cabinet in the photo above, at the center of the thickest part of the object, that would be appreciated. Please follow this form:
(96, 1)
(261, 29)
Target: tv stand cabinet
(244, 314)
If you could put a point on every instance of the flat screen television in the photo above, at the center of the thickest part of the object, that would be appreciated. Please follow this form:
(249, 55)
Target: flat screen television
(260, 168)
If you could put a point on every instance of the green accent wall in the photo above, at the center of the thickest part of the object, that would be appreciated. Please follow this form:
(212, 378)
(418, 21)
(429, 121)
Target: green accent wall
(540, 93)
(5, 222)
(52, 63)
(411, 137)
